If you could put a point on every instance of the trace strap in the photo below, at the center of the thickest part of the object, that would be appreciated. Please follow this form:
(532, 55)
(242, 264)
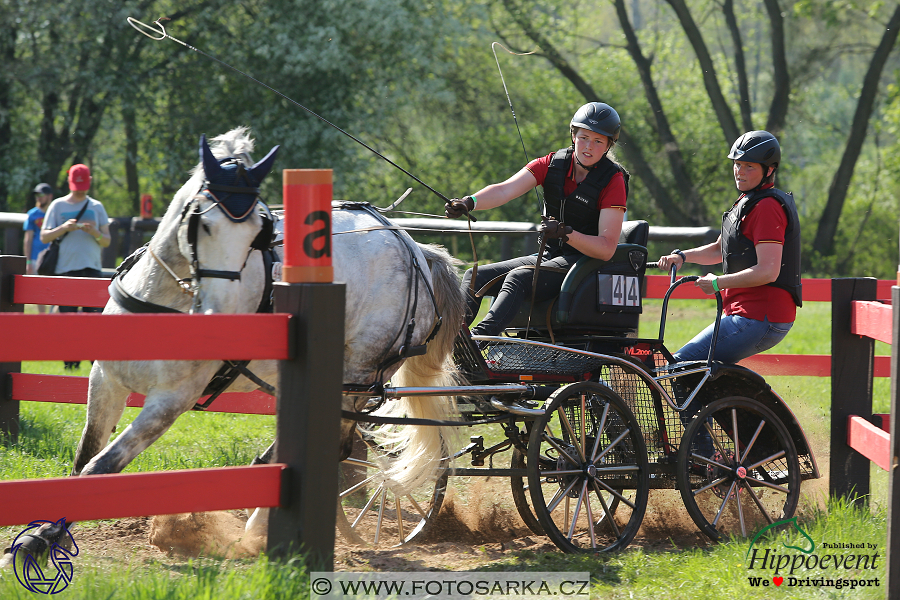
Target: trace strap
(368, 418)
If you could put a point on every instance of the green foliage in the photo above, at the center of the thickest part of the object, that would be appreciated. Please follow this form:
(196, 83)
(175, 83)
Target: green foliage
(418, 82)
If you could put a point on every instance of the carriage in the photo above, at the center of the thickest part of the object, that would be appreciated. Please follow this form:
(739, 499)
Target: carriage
(593, 417)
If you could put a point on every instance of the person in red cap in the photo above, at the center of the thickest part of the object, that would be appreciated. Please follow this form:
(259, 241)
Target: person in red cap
(81, 225)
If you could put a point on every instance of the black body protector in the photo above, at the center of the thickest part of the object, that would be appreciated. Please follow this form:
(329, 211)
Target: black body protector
(578, 209)
(738, 252)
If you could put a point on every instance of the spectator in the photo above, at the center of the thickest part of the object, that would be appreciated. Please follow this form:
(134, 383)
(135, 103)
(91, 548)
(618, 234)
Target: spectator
(79, 251)
(33, 245)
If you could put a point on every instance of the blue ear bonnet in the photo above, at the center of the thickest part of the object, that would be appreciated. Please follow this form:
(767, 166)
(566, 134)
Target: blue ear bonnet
(232, 186)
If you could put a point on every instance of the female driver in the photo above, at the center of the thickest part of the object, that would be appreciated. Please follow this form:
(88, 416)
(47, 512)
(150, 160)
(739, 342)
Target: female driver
(584, 205)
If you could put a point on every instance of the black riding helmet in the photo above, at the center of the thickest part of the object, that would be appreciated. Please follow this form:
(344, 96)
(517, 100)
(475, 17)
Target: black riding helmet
(757, 146)
(598, 117)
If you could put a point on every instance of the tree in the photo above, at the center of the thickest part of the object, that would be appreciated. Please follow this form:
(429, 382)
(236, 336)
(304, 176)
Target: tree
(8, 57)
(840, 183)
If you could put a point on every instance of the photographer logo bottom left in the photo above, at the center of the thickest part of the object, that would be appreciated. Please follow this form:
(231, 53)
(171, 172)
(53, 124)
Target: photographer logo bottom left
(42, 556)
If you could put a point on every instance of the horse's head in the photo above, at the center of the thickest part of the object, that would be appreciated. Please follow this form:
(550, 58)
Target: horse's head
(221, 225)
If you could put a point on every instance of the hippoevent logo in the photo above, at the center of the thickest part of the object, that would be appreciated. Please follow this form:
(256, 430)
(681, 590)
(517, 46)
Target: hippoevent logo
(802, 566)
(42, 542)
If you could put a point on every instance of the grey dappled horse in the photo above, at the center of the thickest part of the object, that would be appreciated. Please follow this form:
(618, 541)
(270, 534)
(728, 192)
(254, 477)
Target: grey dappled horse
(377, 265)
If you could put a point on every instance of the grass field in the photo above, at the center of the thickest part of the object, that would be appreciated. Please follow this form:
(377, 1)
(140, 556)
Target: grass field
(50, 432)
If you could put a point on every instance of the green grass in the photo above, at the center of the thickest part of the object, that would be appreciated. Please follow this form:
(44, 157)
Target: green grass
(722, 570)
(50, 433)
(811, 333)
(200, 579)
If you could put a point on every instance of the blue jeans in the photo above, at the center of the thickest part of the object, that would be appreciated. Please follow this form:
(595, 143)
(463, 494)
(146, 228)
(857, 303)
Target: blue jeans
(739, 337)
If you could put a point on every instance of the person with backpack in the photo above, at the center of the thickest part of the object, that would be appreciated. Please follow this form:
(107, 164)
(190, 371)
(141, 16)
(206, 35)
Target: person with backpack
(82, 227)
(585, 195)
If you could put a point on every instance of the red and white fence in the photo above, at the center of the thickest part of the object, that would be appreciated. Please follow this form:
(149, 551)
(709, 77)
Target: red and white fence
(305, 334)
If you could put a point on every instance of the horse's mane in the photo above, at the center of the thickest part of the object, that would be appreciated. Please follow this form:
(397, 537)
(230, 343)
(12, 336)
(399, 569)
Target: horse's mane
(236, 143)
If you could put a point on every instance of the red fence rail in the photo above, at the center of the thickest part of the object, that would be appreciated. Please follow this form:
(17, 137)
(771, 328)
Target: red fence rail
(858, 436)
(141, 494)
(297, 518)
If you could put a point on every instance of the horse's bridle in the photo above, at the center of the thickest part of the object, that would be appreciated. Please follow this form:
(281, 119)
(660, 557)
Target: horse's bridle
(192, 212)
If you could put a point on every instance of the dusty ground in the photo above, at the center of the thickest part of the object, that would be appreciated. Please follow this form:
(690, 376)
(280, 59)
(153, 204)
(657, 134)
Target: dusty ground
(478, 525)
(463, 537)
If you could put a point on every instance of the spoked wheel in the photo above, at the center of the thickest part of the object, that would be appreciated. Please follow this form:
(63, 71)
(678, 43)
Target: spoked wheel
(522, 497)
(520, 494)
(371, 512)
(736, 483)
(588, 473)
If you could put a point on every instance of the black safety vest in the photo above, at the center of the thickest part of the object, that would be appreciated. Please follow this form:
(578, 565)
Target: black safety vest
(578, 209)
(738, 252)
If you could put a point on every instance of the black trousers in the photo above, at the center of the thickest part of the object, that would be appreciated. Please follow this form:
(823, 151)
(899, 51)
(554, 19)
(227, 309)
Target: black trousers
(81, 273)
(513, 287)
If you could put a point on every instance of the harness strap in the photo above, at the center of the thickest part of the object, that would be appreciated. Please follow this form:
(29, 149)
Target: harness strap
(230, 370)
(134, 304)
(366, 418)
(405, 350)
(231, 189)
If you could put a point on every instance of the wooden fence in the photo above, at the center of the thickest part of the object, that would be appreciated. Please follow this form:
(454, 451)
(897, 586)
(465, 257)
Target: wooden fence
(299, 483)
(858, 318)
(858, 436)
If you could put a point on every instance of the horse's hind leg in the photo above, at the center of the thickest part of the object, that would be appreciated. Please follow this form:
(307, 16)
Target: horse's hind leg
(259, 520)
(106, 402)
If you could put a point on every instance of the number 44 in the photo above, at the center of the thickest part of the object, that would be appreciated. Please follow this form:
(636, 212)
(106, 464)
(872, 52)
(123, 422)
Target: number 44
(625, 291)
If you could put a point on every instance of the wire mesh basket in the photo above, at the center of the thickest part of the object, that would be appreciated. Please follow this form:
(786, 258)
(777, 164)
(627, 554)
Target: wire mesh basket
(519, 357)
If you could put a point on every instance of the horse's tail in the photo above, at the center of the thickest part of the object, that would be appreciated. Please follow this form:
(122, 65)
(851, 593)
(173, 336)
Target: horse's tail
(424, 447)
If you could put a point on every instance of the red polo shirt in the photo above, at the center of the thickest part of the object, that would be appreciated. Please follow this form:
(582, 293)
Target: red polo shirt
(612, 196)
(766, 223)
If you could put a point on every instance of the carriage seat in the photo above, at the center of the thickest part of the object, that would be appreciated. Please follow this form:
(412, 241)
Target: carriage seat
(597, 297)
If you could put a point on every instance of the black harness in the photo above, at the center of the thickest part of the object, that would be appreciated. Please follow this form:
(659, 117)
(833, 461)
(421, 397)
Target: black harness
(238, 204)
(406, 350)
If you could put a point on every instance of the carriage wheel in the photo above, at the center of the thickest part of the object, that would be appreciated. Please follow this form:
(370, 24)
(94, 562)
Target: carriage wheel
(583, 452)
(522, 497)
(372, 513)
(520, 494)
(736, 484)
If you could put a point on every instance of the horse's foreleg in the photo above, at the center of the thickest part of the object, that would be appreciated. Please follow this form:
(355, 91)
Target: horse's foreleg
(159, 412)
(106, 402)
